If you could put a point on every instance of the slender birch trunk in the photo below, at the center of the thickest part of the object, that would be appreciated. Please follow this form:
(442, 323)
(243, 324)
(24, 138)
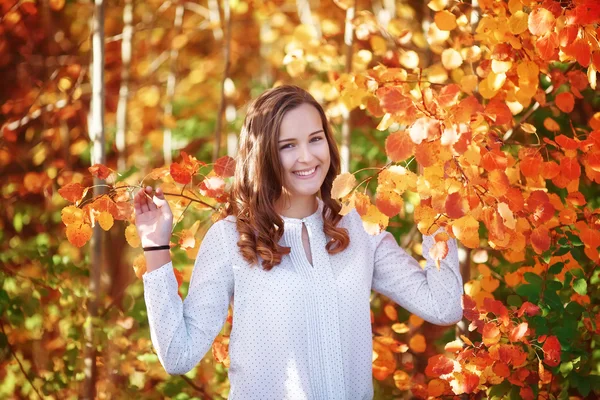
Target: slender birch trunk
(121, 134)
(96, 132)
(346, 124)
(227, 56)
(171, 81)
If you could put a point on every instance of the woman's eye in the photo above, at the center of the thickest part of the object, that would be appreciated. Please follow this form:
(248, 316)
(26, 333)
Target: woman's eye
(285, 146)
(317, 138)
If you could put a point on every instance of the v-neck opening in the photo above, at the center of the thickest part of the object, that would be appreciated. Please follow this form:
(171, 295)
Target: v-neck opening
(310, 246)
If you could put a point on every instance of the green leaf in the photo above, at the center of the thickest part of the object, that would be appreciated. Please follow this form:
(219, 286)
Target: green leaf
(552, 299)
(575, 240)
(574, 308)
(532, 278)
(563, 242)
(566, 368)
(554, 285)
(514, 300)
(499, 391)
(547, 255)
(581, 383)
(578, 273)
(531, 292)
(556, 268)
(562, 251)
(580, 286)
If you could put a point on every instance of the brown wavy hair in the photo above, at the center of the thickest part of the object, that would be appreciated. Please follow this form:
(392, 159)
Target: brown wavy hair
(258, 179)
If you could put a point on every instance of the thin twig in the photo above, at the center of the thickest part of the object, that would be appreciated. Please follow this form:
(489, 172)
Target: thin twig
(12, 351)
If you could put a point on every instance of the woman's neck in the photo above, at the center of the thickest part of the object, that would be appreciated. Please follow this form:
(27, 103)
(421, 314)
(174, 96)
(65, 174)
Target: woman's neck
(296, 207)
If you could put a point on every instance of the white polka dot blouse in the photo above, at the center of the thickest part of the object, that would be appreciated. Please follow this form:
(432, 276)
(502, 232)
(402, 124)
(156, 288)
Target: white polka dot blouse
(301, 330)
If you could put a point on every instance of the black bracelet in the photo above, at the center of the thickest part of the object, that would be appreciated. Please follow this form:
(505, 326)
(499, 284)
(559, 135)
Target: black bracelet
(165, 247)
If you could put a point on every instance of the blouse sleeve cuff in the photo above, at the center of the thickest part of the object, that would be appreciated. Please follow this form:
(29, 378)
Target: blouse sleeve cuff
(161, 274)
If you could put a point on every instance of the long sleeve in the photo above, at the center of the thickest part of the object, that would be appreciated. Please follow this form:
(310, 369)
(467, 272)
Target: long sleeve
(183, 331)
(433, 295)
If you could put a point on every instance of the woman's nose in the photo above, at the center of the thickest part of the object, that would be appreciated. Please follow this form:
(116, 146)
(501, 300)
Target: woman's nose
(305, 154)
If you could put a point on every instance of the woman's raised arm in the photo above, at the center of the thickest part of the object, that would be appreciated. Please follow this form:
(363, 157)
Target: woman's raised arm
(183, 331)
(433, 295)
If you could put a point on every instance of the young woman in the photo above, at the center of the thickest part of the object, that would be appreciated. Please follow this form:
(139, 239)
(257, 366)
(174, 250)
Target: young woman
(297, 273)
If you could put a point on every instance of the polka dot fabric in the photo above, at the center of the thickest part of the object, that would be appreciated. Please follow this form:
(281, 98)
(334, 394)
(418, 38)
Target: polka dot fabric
(300, 331)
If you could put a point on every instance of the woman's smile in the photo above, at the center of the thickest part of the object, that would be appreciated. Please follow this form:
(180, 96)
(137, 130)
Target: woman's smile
(307, 173)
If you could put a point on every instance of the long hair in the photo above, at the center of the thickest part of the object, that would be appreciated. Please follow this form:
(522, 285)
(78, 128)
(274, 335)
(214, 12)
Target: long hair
(259, 179)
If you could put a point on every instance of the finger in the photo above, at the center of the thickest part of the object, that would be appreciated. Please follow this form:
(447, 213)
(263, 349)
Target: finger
(151, 202)
(144, 199)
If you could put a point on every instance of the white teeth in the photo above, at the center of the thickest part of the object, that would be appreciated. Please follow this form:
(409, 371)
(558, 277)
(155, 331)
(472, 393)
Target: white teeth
(305, 173)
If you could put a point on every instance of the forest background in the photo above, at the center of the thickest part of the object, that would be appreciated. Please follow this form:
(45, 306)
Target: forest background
(481, 116)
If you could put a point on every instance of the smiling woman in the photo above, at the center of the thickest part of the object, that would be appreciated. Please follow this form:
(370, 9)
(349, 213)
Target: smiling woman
(301, 274)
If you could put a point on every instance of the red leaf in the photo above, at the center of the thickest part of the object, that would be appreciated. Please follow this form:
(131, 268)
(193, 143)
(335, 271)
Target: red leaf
(570, 168)
(529, 308)
(548, 46)
(180, 174)
(540, 239)
(454, 205)
(438, 365)
(225, 167)
(551, 349)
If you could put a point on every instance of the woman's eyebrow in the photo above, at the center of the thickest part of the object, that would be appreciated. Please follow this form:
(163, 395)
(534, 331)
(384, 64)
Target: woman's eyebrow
(291, 140)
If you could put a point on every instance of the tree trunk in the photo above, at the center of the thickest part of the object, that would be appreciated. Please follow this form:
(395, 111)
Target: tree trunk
(171, 81)
(347, 114)
(96, 132)
(121, 134)
(227, 56)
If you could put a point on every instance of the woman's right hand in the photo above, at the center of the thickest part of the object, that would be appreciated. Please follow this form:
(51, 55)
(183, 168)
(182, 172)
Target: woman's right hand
(153, 217)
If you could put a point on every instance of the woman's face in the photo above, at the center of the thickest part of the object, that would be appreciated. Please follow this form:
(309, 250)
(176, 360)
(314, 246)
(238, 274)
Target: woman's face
(303, 151)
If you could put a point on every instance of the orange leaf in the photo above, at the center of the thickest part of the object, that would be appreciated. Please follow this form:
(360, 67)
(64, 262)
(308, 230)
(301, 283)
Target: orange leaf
(495, 159)
(78, 235)
(565, 102)
(390, 312)
(491, 334)
(498, 183)
(399, 146)
(540, 21)
(100, 171)
(548, 46)
(445, 20)
(388, 201)
(139, 266)
(417, 343)
(550, 170)
(72, 192)
(106, 220)
(392, 100)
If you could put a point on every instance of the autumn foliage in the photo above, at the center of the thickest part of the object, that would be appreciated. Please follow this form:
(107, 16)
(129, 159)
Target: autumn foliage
(479, 118)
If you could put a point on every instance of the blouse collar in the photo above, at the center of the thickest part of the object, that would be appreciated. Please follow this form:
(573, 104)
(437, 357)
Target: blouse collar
(314, 219)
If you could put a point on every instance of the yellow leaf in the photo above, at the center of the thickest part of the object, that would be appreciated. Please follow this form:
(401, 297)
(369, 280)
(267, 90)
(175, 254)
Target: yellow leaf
(528, 128)
(343, 185)
(131, 236)
(106, 220)
(374, 221)
(501, 66)
(437, 5)
(517, 23)
(451, 59)
(71, 215)
(445, 20)
(409, 59)
(139, 265)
